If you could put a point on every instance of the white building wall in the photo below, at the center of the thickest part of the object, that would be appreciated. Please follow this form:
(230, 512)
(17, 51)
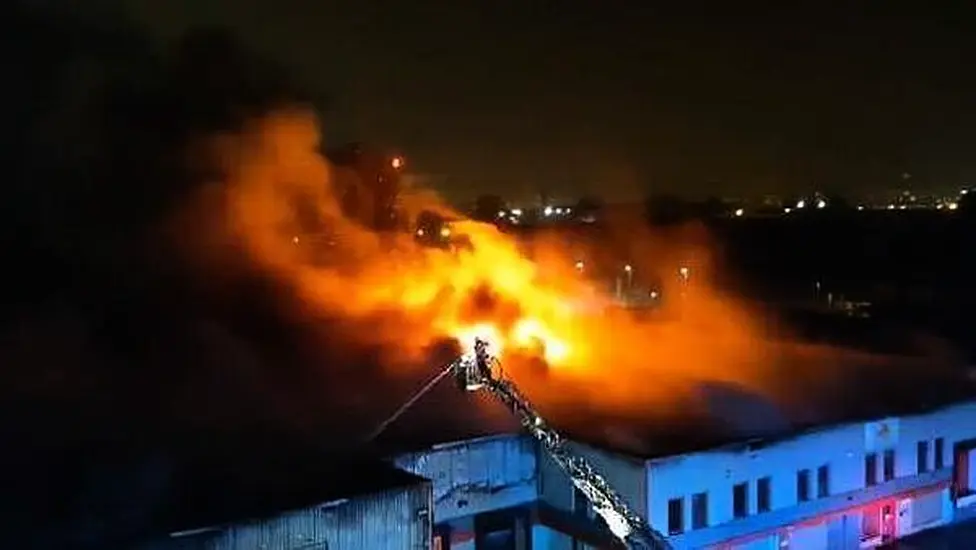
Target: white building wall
(716, 472)
(842, 449)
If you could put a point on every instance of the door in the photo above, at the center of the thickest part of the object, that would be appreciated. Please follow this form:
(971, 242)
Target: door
(889, 522)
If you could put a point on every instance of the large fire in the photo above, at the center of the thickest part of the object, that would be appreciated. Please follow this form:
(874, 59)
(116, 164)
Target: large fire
(529, 299)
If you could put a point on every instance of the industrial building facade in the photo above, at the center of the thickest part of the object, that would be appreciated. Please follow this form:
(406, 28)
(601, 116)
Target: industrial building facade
(850, 486)
(845, 487)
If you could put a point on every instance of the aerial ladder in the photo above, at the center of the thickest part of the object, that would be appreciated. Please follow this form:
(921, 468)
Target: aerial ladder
(479, 370)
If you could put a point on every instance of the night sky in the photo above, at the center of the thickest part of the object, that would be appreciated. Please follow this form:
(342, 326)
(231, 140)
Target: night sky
(619, 97)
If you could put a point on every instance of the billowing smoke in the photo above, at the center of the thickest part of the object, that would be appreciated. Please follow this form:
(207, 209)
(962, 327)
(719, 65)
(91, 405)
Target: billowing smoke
(273, 205)
(200, 264)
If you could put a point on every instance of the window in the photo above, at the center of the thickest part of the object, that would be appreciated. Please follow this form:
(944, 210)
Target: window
(803, 486)
(939, 453)
(676, 516)
(871, 469)
(763, 496)
(699, 511)
(823, 481)
(740, 500)
(581, 504)
(495, 530)
(922, 456)
(889, 465)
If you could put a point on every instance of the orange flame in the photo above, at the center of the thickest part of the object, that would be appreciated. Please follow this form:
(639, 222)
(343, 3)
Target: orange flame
(280, 203)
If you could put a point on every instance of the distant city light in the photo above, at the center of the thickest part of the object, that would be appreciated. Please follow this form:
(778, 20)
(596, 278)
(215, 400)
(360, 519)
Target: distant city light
(801, 203)
(787, 210)
(295, 239)
(502, 213)
(821, 203)
(579, 265)
(860, 207)
(397, 162)
(739, 212)
(445, 232)
(516, 212)
(420, 232)
(547, 211)
(628, 268)
(953, 205)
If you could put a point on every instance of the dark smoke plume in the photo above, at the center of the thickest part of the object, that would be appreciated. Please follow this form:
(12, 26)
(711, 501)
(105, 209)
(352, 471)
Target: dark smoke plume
(107, 341)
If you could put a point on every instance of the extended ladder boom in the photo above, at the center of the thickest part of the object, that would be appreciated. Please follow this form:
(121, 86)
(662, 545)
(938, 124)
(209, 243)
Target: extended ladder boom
(474, 371)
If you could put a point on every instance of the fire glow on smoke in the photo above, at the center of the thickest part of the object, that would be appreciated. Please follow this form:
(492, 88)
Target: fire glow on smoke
(522, 297)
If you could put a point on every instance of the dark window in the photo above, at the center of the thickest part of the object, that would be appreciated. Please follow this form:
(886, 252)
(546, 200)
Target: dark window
(803, 486)
(922, 456)
(495, 531)
(763, 494)
(889, 465)
(823, 481)
(676, 516)
(939, 453)
(581, 504)
(699, 511)
(871, 469)
(740, 500)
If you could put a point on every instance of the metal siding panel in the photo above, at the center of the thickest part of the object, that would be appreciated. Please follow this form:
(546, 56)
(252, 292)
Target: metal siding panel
(493, 464)
(390, 520)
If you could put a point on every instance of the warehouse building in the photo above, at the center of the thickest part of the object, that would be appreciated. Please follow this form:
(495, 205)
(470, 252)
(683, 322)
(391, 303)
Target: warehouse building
(855, 485)
(357, 506)
(850, 485)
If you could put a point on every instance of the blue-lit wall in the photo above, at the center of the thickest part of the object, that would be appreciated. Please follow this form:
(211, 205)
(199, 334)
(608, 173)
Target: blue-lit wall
(475, 477)
(471, 478)
(842, 450)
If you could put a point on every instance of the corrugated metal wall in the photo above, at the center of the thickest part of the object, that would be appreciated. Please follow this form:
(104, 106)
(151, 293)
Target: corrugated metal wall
(398, 519)
(491, 463)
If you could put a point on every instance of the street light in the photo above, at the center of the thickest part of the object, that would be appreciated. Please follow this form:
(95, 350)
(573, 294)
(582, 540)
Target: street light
(396, 163)
(629, 269)
(579, 266)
